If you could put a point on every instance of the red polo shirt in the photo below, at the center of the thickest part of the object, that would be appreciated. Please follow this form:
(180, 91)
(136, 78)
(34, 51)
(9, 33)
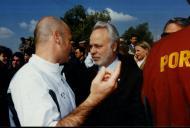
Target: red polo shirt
(167, 80)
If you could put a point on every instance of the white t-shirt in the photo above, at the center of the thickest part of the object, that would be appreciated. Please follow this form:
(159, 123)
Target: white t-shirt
(30, 93)
(89, 61)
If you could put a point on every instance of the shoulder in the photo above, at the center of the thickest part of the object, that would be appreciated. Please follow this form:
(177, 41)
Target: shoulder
(129, 45)
(129, 65)
(25, 79)
(128, 60)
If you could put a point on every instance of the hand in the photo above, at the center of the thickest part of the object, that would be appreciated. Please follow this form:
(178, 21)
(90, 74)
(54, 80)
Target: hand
(104, 83)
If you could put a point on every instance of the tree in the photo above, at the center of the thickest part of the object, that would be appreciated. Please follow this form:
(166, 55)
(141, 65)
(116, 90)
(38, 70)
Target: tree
(81, 22)
(142, 31)
(127, 34)
(75, 18)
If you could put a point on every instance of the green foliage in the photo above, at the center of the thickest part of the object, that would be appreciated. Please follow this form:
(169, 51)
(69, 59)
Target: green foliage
(81, 22)
(142, 31)
(75, 18)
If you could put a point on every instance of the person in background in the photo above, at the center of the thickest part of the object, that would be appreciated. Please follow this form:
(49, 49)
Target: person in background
(41, 95)
(80, 54)
(131, 46)
(141, 52)
(73, 70)
(175, 24)
(5, 55)
(84, 44)
(4, 82)
(17, 63)
(166, 79)
(123, 47)
(27, 54)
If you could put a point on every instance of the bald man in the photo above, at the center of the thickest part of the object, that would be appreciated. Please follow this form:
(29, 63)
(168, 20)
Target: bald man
(41, 95)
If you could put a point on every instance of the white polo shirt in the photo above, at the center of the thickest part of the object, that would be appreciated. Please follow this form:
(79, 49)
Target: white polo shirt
(30, 93)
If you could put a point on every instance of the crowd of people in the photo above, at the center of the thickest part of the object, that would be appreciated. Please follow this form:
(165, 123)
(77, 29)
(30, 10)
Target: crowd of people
(10, 63)
(96, 83)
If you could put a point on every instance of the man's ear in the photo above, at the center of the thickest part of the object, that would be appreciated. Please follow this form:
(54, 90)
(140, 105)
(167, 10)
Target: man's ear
(56, 36)
(114, 46)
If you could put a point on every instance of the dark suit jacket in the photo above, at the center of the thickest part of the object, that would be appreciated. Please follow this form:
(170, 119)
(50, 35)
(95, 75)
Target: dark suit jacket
(131, 49)
(124, 106)
(75, 73)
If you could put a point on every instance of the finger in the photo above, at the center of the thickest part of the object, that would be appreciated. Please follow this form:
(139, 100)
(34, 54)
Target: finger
(106, 76)
(100, 74)
(109, 71)
(116, 72)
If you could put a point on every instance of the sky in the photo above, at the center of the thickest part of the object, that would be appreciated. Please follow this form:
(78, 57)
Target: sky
(19, 17)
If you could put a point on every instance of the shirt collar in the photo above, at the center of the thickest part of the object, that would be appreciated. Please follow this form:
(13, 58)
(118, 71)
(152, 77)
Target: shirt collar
(45, 65)
(133, 45)
(139, 63)
(112, 66)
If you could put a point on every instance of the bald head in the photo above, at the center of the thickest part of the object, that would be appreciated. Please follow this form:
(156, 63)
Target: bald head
(52, 40)
(45, 28)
